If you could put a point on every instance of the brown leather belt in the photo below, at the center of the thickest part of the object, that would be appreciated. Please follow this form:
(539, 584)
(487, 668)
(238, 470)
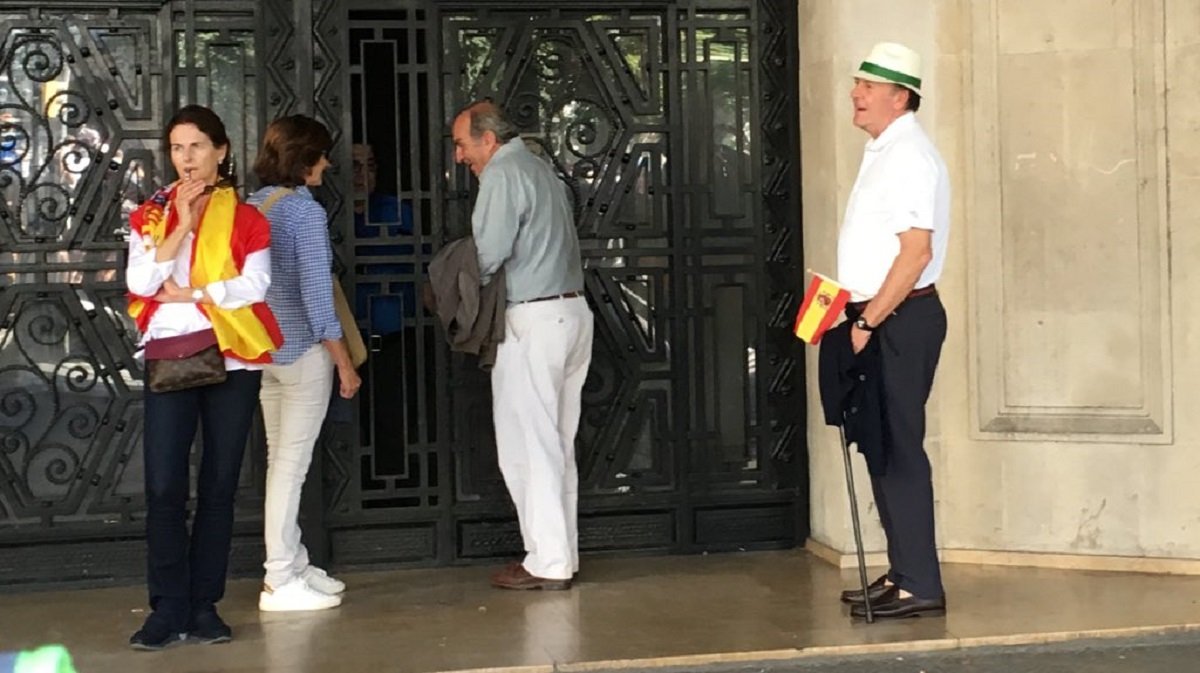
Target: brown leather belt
(919, 292)
(565, 295)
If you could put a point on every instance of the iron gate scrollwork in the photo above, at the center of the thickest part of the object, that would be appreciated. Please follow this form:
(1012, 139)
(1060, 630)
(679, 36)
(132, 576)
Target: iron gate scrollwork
(84, 95)
(72, 166)
(674, 125)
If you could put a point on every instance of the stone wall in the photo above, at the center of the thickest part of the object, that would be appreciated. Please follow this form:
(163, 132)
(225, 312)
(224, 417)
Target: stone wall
(1060, 420)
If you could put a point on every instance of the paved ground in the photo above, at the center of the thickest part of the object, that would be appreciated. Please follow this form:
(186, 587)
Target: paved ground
(1155, 654)
(660, 610)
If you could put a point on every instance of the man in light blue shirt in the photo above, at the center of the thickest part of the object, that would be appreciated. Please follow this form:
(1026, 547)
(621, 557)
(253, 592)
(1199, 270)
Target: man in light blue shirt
(523, 222)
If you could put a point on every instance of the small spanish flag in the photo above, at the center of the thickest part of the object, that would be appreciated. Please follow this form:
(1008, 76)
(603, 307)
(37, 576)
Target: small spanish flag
(822, 304)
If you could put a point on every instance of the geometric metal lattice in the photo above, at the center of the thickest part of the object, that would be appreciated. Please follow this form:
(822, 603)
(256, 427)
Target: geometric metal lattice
(84, 95)
(72, 166)
(673, 123)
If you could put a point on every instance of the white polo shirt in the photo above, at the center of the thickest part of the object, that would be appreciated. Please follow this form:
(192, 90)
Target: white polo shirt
(902, 184)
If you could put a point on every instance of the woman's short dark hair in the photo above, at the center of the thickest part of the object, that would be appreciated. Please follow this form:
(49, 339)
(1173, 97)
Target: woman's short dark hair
(291, 146)
(210, 125)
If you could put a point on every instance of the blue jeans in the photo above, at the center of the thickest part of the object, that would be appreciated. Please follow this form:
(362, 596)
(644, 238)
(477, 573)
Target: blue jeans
(185, 575)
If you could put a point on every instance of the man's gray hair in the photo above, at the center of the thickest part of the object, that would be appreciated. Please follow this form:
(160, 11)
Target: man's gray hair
(486, 116)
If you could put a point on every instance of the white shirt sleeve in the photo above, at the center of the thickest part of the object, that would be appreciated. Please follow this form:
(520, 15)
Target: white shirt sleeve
(143, 275)
(911, 193)
(248, 288)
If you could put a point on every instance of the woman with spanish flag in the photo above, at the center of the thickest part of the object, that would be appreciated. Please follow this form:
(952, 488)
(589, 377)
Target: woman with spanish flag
(198, 271)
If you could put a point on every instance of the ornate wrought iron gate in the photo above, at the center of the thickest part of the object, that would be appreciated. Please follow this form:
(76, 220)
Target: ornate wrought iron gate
(674, 123)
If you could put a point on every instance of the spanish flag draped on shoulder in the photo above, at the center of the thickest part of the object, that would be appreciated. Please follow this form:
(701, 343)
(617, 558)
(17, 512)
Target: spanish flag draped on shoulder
(822, 304)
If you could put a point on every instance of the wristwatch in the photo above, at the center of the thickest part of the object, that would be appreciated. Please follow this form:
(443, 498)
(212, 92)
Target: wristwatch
(197, 295)
(863, 325)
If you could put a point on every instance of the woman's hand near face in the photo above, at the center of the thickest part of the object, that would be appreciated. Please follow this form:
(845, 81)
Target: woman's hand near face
(187, 202)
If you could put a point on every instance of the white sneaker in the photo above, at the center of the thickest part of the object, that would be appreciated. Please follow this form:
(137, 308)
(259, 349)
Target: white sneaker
(321, 581)
(295, 596)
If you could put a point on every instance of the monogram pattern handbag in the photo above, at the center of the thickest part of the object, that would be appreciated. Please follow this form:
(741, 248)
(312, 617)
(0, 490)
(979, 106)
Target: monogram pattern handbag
(184, 361)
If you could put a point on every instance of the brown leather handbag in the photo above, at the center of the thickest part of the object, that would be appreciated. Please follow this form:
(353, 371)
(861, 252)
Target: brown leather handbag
(184, 361)
(350, 334)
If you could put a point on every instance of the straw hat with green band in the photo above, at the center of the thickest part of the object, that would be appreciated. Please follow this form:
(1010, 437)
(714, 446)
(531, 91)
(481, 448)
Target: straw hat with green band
(894, 63)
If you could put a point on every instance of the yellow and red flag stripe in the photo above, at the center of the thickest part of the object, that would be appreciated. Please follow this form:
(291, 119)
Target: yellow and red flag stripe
(227, 233)
(822, 304)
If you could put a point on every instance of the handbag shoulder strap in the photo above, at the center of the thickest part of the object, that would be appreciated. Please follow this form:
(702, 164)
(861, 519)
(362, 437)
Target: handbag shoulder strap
(279, 193)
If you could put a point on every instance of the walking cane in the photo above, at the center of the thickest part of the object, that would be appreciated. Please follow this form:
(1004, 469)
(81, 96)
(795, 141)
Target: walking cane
(862, 561)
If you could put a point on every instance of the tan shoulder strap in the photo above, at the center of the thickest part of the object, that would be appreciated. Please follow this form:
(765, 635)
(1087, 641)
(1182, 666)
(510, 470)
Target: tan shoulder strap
(265, 206)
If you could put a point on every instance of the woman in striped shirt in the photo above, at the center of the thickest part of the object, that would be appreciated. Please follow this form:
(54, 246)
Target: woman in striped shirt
(296, 386)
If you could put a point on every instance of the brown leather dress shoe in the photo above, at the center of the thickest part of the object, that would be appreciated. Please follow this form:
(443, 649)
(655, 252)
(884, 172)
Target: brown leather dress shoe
(515, 576)
(875, 591)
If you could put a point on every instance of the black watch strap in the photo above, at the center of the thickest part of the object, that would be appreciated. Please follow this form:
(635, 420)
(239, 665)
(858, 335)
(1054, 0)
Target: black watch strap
(863, 325)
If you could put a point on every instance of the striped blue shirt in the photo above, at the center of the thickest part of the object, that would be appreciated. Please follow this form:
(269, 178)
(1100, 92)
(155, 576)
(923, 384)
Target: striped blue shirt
(301, 292)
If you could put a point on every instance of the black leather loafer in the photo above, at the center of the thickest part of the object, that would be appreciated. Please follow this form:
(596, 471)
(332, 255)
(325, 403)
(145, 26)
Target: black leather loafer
(875, 590)
(892, 606)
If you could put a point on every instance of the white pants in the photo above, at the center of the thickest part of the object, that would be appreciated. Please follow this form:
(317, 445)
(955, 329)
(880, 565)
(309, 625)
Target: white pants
(537, 385)
(294, 400)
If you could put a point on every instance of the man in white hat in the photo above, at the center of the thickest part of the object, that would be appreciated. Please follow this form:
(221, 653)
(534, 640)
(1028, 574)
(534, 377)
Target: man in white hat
(891, 249)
